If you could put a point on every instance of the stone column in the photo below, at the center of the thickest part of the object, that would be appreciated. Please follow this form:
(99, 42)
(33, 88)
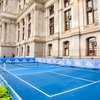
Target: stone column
(47, 23)
(98, 4)
(21, 30)
(75, 14)
(22, 4)
(0, 33)
(4, 4)
(35, 21)
(27, 1)
(3, 32)
(8, 33)
(26, 31)
(32, 23)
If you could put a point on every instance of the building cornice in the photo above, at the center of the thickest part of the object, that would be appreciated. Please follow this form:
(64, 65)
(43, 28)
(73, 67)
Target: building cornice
(29, 5)
(8, 15)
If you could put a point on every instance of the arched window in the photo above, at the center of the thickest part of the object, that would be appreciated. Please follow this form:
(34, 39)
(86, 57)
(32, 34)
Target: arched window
(91, 46)
(66, 48)
(50, 50)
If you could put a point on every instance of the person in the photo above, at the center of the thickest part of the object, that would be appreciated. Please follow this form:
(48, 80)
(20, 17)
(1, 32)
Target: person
(13, 55)
(4, 61)
(4, 56)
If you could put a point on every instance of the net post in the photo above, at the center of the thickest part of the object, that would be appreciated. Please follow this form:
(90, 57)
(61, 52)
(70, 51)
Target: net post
(4, 66)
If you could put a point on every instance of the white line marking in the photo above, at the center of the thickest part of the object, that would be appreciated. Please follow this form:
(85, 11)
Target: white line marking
(83, 69)
(18, 97)
(30, 85)
(32, 73)
(75, 89)
(72, 77)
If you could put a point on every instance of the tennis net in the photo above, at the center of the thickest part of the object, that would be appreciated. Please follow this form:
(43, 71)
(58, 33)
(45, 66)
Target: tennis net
(29, 65)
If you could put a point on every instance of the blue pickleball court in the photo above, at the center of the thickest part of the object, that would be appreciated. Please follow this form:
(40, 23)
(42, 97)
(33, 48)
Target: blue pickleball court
(36, 81)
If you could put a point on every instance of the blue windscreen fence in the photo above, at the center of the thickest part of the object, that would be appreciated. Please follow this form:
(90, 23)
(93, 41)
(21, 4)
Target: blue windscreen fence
(17, 60)
(83, 63)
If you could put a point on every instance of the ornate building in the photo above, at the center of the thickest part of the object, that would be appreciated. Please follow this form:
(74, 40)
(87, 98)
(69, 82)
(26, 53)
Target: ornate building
(50, 28)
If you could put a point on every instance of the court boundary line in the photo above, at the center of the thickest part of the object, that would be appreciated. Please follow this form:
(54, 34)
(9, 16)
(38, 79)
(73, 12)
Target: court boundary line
(78, 78)
(15, 93)
(71, 90)
(29, 84)
(83, 69)
(38, 72)
(32, 73)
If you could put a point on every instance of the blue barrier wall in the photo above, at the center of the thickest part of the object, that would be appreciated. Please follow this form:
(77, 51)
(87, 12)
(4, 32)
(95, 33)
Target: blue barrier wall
(17, 59)
(83, 63)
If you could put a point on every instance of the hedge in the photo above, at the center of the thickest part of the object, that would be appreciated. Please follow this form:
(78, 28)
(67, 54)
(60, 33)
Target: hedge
(4, 93)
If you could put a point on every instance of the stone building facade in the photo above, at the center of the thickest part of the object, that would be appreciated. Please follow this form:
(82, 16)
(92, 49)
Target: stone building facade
(50, 28)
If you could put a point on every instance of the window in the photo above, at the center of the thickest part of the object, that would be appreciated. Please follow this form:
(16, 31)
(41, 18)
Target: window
(23, 21)
(66, 48)
(18, 35)
(29, 30)
(92, 11)
(21, 51)
(17, 51)
(51, 25)
(6, 27)
(51, 10)
(67, 20)
(19, 5)
(50, 50)
(18, 31)
(24, 1)
(18, 25)
(66, 3)
(91, 46)
(29, 25)
(28, 50)
(29, 17)
(23, 32)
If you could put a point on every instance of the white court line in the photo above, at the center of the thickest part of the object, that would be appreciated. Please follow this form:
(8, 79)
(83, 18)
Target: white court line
(80, 87)
(32, 73)
(72, 77)
(83, 69)
(30, 85)
(38, 72)
(18, 97)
